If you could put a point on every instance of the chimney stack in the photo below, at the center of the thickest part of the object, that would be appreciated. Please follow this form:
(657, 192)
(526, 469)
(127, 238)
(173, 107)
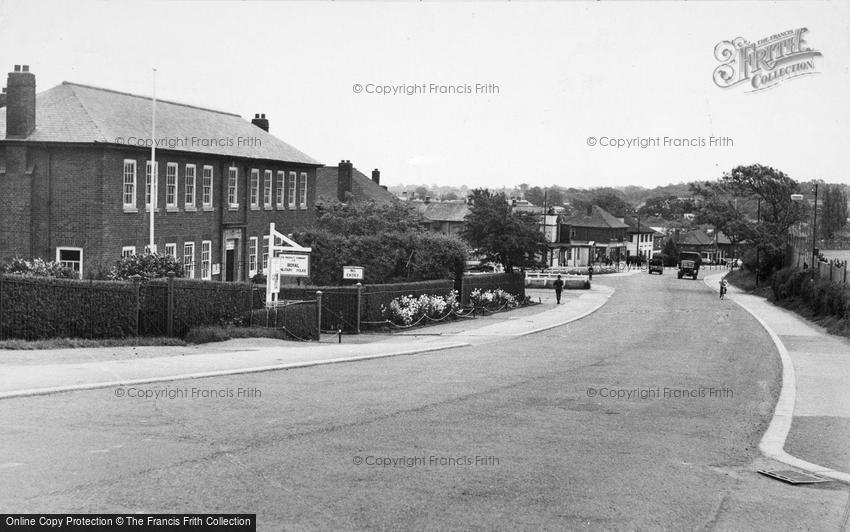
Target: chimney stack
(20, 103)
(376, 176)
(261, 122)
(590, 210)
(427, 199)
(343, 182)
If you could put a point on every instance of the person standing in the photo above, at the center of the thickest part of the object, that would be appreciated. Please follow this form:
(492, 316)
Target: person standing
(590, 272)
(722, 288)
(559, 287)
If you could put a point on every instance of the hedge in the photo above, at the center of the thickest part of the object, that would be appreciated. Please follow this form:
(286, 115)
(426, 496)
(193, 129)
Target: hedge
(820, 296)
(34, 308)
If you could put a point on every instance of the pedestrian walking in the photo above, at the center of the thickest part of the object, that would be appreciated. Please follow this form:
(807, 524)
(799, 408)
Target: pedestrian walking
(722, 288)
(559, 287)
(590, 273)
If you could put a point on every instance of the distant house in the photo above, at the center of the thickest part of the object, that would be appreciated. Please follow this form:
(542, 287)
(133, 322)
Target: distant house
(444, 217)
(714, 246)
(594, 235)
(642, 239)
(345, 183)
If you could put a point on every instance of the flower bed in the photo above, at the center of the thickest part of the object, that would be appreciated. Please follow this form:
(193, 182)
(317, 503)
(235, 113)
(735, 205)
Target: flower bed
(492, 299)
(409, 310)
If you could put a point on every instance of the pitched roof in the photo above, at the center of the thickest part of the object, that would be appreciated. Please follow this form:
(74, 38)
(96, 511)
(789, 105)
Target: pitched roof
(79, 113)
(443, 211)
(644, 227)
(700, 237)
(598, 217)
(362, 187)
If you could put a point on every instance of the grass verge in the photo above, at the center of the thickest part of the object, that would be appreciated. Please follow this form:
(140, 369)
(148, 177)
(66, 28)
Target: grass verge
(77, 343)
(204, 335)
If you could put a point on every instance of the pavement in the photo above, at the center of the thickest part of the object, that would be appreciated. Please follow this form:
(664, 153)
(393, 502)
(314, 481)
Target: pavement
(811, 423)
(84, 369)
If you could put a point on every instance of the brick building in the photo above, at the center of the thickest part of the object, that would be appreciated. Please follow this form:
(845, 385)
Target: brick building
(346, 183)
(76, 180)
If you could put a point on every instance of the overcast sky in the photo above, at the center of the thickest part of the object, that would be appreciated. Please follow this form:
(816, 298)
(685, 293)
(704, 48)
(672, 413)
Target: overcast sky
(564, 71)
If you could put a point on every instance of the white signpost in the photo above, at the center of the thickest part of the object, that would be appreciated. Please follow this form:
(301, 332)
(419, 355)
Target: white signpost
(288, 259)
(352, 272)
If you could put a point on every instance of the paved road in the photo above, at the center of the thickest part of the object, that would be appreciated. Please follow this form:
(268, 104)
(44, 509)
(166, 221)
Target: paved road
(517, 434)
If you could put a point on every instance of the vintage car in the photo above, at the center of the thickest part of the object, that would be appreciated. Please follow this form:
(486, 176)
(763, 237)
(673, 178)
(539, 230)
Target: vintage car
(689, 263)
(656, 265)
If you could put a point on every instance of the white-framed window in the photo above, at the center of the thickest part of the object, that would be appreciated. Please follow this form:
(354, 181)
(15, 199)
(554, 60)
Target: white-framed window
(171, 250)
(129, 184)
(128, 251)
(290, 192)
(189, 259)
(267, 189)
(171, 186)
(71, 258)
(189, 184)
(148, 183)
(265, 255)
(255, 188)
(206, 255)
(207, 187)
(232, 185)
(302, 190)
(281, 179)
(252, 256)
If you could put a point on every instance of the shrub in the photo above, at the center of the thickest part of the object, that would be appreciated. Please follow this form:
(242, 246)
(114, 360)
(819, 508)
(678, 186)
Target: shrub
(408, 310)
(37, 268)
(492, 299)
(147, 266)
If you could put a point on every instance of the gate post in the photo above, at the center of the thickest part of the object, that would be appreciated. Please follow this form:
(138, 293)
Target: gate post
(359, 300)
(137, 302)
(169, 313)
(318, 315)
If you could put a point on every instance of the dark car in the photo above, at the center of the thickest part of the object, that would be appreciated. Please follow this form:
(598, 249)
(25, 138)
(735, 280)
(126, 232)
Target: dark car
(656, 265)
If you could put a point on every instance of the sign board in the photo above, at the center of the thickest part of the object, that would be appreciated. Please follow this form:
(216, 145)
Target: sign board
(352, 272)
(291, 264)
(287, 259)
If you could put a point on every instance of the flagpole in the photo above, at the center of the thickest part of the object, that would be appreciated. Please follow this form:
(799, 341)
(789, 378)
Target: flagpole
(154, 173)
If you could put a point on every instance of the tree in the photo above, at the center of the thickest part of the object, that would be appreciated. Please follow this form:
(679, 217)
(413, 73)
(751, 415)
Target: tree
(421, 192)
(612, 203)
(367, 218)
(535, 195)
(512, 239)
(389, 241)
(753, 204)
(834, 211)
(147, 266)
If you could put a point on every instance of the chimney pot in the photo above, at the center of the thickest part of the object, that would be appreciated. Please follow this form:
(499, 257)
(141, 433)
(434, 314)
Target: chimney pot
(260, 122)
(376, 176)
(344, 178)
(26, 68)
(20, 103)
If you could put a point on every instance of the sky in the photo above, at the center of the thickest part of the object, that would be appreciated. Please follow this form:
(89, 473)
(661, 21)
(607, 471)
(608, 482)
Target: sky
(540, 93)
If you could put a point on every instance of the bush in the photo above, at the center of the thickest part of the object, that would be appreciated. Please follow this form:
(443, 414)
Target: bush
(820, 296)
(408, 310)
(37, 268)
(147, 266)
(492, 299)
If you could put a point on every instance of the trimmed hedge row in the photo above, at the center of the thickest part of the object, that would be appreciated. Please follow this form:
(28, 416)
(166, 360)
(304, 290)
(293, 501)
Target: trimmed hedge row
(198, 303)
(34, 308)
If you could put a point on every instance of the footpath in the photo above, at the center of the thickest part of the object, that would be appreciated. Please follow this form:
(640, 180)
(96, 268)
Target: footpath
(810, 429)
(26, 373)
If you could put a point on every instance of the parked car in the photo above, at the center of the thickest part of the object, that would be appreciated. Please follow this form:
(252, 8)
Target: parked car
(656, 265)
